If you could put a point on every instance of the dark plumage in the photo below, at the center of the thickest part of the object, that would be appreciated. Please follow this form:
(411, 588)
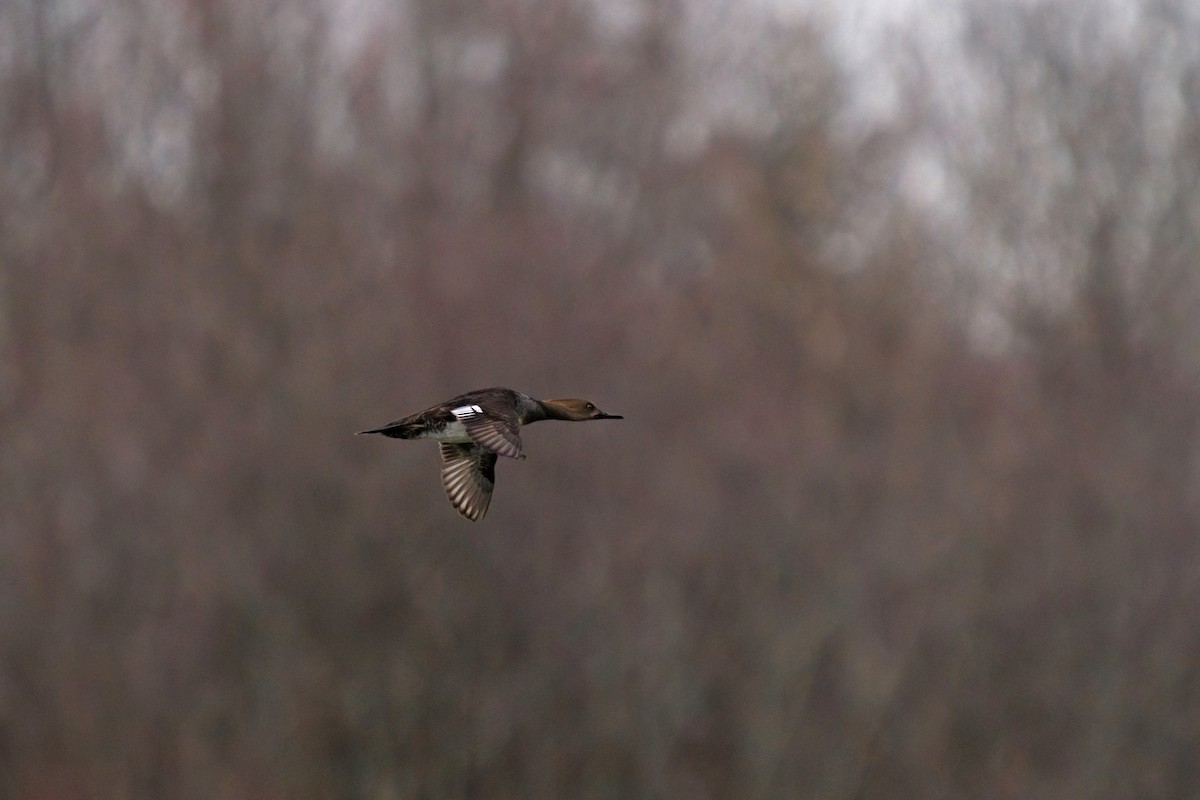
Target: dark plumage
(476, 427)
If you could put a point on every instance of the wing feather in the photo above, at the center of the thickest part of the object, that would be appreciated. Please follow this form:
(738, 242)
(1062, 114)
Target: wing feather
(498, 433)
(468, 476)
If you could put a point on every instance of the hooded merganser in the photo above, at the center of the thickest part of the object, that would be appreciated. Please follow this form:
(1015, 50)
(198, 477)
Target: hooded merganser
(476, 427)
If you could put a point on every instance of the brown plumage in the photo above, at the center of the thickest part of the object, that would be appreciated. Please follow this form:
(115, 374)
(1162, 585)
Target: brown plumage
(475, 428)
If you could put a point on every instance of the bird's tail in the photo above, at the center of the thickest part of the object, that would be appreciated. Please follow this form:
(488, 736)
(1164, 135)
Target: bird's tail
(396, 430)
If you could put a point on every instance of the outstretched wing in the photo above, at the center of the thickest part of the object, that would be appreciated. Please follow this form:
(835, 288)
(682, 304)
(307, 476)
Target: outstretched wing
(498, 435)
(468, 475)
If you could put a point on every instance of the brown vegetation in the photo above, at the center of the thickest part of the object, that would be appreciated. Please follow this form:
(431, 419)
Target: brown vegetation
(835, 549)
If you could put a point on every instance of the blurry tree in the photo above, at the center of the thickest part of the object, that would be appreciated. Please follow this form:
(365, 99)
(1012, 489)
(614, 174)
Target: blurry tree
(1083, 186)
(836, 548)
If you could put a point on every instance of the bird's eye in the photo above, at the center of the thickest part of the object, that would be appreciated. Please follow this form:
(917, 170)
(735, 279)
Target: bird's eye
(591, 407)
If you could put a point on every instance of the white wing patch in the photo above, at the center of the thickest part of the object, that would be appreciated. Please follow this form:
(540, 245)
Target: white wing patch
(466, 412)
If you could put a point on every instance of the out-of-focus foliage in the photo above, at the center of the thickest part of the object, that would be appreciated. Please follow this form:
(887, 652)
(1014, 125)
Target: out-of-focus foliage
(837, 548)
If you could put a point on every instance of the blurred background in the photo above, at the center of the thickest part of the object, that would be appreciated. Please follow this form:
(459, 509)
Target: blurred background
(899, 300)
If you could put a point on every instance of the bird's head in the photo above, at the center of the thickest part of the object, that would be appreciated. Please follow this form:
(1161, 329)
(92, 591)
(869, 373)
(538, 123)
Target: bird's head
(575, 409)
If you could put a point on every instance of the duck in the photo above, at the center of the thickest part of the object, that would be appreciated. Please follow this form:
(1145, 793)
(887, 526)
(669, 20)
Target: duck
(474, 429)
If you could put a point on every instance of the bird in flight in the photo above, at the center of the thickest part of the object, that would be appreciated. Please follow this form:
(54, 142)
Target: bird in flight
(473, 429)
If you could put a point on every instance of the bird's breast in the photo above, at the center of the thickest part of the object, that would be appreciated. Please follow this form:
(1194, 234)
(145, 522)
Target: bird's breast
(454, 432)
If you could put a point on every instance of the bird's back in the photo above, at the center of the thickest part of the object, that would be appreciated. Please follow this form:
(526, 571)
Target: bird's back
(441, 422)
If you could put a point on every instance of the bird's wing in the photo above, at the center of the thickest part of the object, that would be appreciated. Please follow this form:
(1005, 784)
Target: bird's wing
(468, 475)
(501, 436)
